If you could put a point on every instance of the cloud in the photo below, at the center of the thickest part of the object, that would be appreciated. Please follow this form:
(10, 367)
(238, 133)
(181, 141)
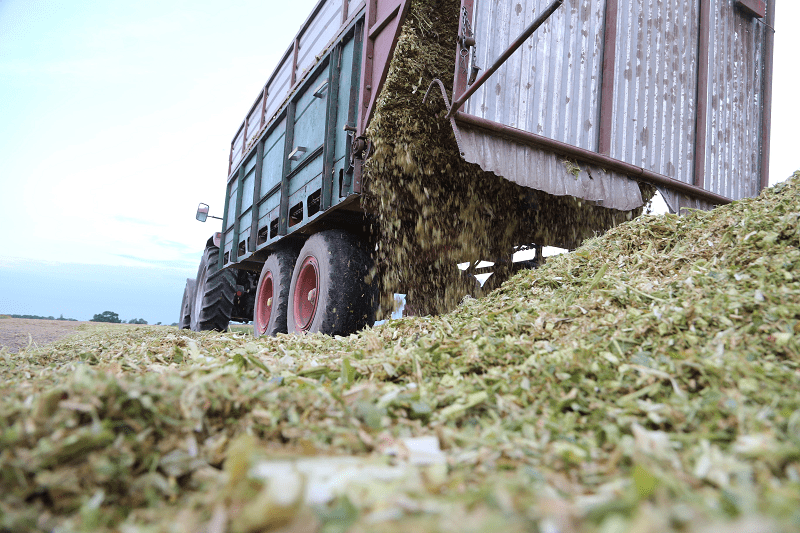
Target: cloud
(170, 264)
(140, 221)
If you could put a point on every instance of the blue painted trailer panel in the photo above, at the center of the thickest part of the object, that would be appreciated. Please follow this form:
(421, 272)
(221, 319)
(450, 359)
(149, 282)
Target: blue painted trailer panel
(231, 201)
(273, 159)
(309, 172)
(247, 190)
(309, 125)
(270, 202)
(300, 195)
(343, 101)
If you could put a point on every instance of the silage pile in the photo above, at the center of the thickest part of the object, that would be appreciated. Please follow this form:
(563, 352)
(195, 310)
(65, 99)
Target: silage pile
(649, 381)
(433, 208)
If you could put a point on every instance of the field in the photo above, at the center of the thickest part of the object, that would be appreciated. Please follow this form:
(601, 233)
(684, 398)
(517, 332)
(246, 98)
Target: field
(648, 381)
(27, 333)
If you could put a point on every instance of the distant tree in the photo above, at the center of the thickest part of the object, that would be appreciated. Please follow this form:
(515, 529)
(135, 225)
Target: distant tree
(158, 323)
(41, 317)
(107, 316)
(137, 321)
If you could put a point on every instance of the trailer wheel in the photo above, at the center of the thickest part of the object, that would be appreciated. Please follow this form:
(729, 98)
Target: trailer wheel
(272, 295)
(185, 321)
(329, 292)
(214, 293)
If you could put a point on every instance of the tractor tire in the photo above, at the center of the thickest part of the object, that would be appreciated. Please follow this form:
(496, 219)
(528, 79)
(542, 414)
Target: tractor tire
(185, 321)
(214, 293)
(272, 294)
(329, 291)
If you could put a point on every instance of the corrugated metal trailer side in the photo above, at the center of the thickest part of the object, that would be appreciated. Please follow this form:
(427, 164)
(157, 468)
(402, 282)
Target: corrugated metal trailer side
(668, 91)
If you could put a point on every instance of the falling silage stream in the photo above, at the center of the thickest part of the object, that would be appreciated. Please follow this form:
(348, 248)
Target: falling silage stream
(433, 208)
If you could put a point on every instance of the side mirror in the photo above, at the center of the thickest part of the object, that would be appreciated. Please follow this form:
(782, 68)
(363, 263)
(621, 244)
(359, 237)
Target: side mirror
(202, 212)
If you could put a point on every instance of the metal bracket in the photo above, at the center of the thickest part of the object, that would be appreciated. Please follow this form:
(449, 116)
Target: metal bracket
(754, 8)
(456, 131)
(297, 153)
(320, 91)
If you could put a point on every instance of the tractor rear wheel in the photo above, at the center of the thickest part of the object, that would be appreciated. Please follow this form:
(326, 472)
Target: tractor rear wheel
(329, 291)
(185, 321)
(272, 294)
(214, 293)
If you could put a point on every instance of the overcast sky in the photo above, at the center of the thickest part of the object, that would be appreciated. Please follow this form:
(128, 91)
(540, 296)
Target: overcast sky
(116, 119)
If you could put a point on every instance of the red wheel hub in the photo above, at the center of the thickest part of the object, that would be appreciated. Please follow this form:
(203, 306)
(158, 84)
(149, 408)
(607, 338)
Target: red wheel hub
(305, 294)
(264, 303)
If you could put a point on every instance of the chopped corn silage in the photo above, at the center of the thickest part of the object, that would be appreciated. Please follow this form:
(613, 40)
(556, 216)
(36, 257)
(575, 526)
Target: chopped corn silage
(433, 208)
(648, 381)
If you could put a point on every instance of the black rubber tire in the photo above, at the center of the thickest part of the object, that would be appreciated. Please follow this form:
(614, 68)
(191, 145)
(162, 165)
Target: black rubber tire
(185, 321)
(345, 302)
(214, 293)
(279, 265)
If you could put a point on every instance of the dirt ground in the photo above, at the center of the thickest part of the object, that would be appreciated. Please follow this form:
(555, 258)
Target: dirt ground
(14, 332)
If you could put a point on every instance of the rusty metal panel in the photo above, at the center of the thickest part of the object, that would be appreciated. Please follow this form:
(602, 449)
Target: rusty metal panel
(551, 85)
(546, 171)
(321, 29)
(678, 202)
(237, 149)
(253, 121)
(655, 86)
(384, 21)
(736, 66)
(278, 89)
(353, 6)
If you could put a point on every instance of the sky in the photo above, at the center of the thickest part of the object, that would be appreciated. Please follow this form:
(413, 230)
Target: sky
(116, 119)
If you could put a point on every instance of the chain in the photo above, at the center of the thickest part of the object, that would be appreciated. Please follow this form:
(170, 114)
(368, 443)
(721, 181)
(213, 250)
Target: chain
(466, 27)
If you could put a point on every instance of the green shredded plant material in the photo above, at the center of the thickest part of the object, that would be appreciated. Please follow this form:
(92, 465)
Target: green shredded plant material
(648, 381)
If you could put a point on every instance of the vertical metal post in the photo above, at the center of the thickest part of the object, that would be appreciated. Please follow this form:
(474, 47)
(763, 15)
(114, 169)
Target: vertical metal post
(355, 81)
(353, 111)
(331, 118)
(609, 72)
(237, 213)
(367, 63)
(703, 67)
(244, 134)
(345, 14)
(264, 95)
(283, 224)
(230, 157)
(256, 194)
(225, 223)
(294, 61)
(244, 137)
(462, 54)
(766, 109)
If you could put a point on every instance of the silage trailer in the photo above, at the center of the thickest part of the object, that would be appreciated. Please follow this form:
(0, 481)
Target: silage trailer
(579, 98)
